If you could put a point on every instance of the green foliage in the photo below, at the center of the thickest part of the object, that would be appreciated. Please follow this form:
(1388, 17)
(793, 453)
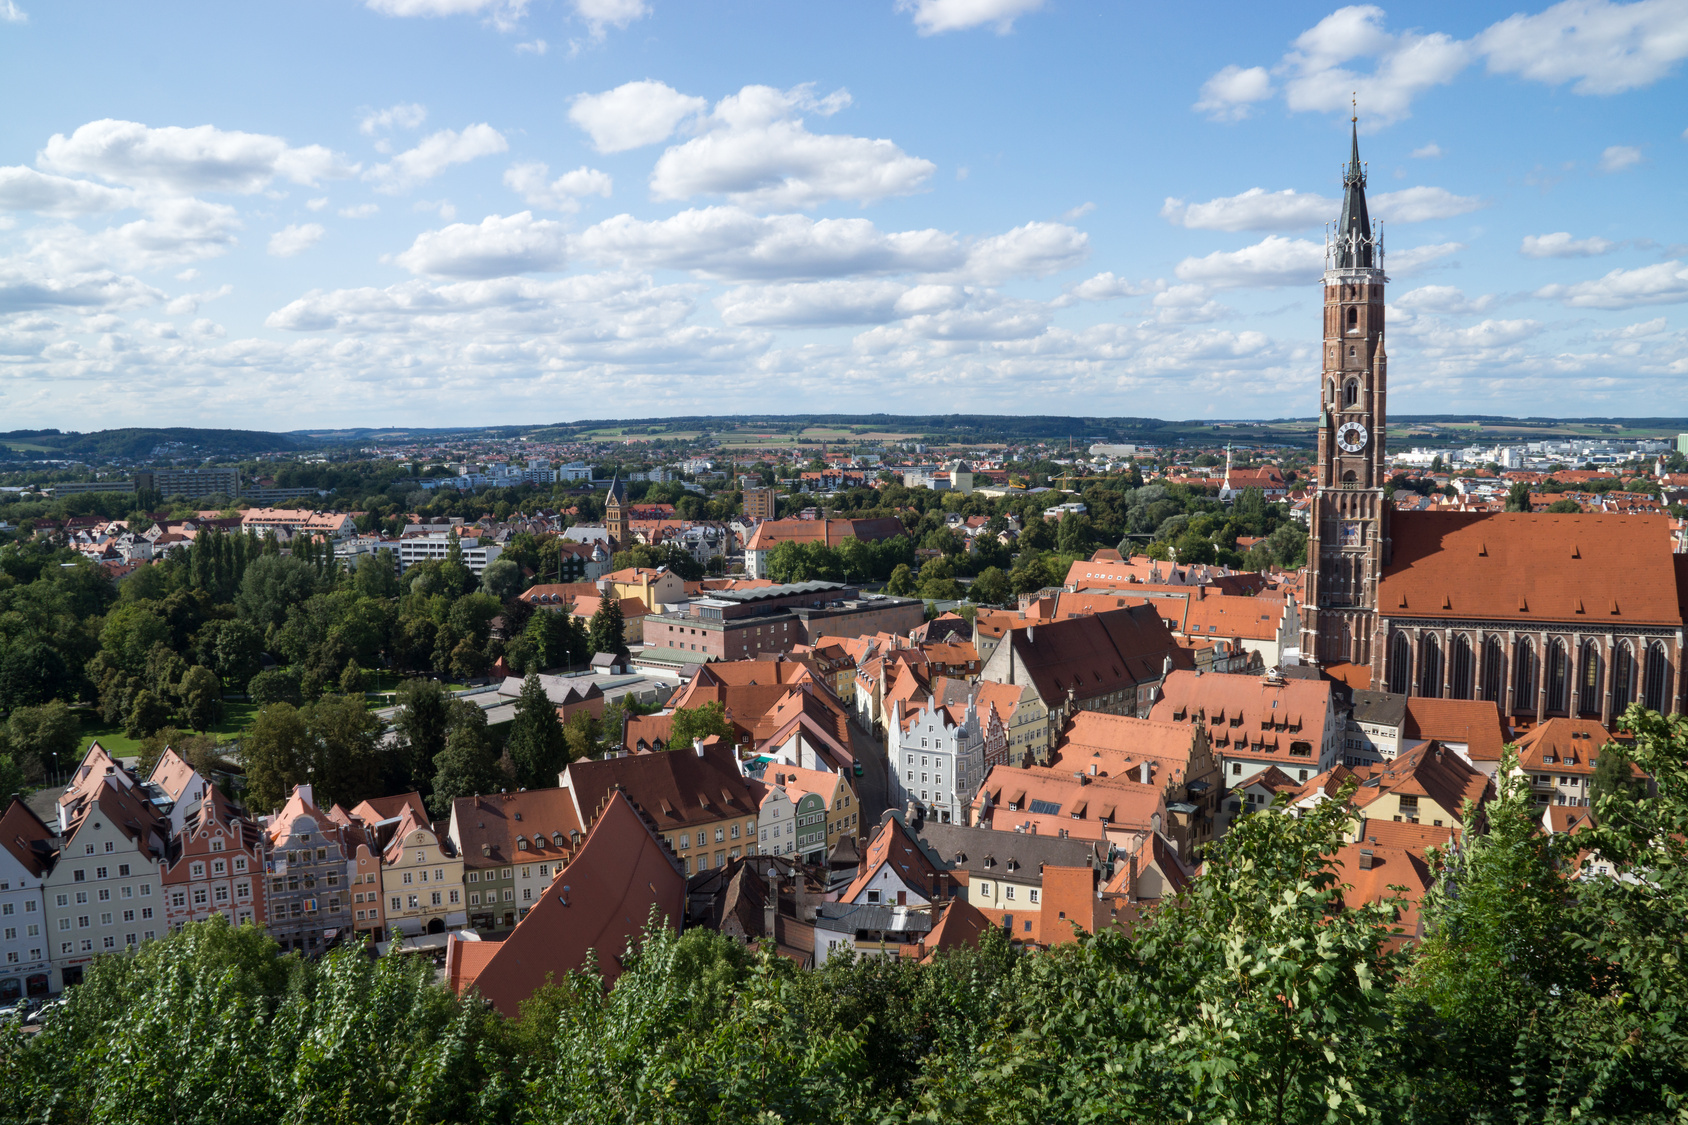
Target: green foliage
(502, 578)
(691, 724)
(990, 588)
(39, 739)
(536, 742)
(330, 744)
(277, 685)
(1518, 497)
(202, 698)
(467, 766)
(901, 584)
(607, 632)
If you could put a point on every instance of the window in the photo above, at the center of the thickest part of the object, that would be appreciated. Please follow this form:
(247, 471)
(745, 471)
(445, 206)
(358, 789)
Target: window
(407, 877)
(1008, 890)
(1034, 894)
(434, 899)
(146, 912)
(474, 898)
(99, 872)
(454, 897)
(398, 903)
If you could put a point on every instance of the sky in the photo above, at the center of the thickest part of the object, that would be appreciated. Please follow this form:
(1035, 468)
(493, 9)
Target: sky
(336, 213)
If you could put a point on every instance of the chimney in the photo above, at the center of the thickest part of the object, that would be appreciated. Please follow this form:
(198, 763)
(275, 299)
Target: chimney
(697, 747)
(1366, 861)
(1093, 769)
(1143, 771)
(305, 794)
(771, 907)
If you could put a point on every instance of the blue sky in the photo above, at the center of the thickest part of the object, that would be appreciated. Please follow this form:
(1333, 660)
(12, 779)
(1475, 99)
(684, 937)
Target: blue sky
(454, 212)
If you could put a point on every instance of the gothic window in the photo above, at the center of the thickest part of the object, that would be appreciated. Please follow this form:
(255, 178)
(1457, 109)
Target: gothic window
(1430, 668)
(1353, 317)
(1459, 667)
(1524, 675)
(1494, 659)
(1400, 664)
(1623, 676)
(1349, 476)
(1589, 678)
(1558, 676)
(1657, 682)
(1351, 392)
(1350, 351)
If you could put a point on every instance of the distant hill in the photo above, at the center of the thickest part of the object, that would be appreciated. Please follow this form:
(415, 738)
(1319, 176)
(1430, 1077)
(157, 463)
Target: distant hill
(139, 444)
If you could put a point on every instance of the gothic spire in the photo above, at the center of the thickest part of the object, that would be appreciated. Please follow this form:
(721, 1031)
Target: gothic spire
(1354, 233)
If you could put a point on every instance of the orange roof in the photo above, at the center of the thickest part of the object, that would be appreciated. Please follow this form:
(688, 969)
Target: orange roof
(1117, 745)
(770, 533)
(960, 924)
(1475, 723)
(1425, 771)
(1414, 838)
(1390, 867)
(1355, 676)
(1055, 801)
(1613, 569)
(598, 902)
(385, 808)
(1252, 715)
(172, 774)
(1226, 615)
(894, 845)
(29, 840)
(1568, 746)
(586, 606)
(558, 593)
(1069, 901)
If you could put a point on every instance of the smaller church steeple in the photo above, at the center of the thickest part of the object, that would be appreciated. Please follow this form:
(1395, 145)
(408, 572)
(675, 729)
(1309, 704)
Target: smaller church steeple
(1353, 249)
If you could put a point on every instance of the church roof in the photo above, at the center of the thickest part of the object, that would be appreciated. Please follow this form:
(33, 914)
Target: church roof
(1592, 570)
(1354, 233)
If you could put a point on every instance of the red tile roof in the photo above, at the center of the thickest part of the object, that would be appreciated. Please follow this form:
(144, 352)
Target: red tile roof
(599, 902)
(1475, 723)
(1610, 569)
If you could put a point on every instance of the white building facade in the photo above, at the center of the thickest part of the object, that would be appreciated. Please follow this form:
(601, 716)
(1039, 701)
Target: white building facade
(937, 759)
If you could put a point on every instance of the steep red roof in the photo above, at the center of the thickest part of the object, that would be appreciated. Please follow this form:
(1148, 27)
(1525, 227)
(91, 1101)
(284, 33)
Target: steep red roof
(24, 835)
(1474, 722)
(599, 902)
(1531, 567)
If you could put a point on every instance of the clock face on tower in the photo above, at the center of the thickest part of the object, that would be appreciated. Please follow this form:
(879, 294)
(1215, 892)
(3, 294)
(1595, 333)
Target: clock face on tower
(1351, 437)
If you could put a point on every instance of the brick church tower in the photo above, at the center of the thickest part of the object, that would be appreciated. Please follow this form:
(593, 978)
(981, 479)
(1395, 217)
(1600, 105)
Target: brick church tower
(1349, 542)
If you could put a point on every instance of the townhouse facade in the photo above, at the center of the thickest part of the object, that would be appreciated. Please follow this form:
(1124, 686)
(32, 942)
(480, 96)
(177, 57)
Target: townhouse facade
(512, 845)
(308, 860)
(27, 853)
(421, 881)
(215, 862)
(937, 756)
(104, 895)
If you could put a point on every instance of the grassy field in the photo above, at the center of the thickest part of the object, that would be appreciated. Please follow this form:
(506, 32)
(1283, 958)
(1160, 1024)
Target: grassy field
(238, 718)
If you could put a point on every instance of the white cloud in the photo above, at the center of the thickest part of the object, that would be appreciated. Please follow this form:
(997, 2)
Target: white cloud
(317, 204)
(1427, 152)
(1073, 214)
(1636, 331)
(11, 13)
(496, 247)
(1605, 48)
(601, 14)
(1254, 209)
(1270, 262)
(173, 231)
(1230, 94)
(533, 47)
(1445, 300)
(633, 115)
(295, 239)
(1103, 287)
(812, 304)
(1618, 157)
(728, 242)
(441, 207)
(932, 17)
(1665, 283)
(502, 14)
(360, 211)
(1417, 257)
(188, 303)
(756, 151)
(1405, 65)
(1032, 250)
(202, 158)
(25, 189)
(437, 152)
(528, 180)
(1560, 244)
(405, 115)
(24, 288)
(1421, 204)
(1188, 304)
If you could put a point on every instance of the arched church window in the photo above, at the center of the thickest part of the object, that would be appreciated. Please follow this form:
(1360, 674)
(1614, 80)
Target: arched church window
(1350, 351)
(1400, 664)
(1351, 392)
(1623, 676)
(1656, 681)
(1430, 668)
(1524, 675)
(1353, 316)
(1558, 676)
(1589, 701)
(1459, 667)
(1349, 476)
(1494, 661)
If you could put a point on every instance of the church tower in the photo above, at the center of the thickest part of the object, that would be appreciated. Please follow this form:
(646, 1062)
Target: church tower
(615, 516)
(1349, 541)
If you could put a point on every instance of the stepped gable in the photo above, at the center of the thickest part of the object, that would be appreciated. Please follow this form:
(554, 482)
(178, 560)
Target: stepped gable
(1599, 569)
(598, 903)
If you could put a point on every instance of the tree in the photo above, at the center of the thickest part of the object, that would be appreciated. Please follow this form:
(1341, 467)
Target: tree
(1565, 506)
(901, 584)
(272, 585)
(346, 765)
(502, 578)
(990, 588)
(937, 581)
(275, 756)
(536, 741)
(147, 712)
(692, 724)
(584, 736)
(41, 739)
(202, 698)
(277, 685)
(423, 722)
(377, 576)
(1518, 497)
(231, 649)
(353, 680)
(467, 766)
(607, 633)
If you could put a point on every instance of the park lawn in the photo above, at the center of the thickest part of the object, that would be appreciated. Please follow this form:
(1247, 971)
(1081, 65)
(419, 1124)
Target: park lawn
(94, 728)
(237, 722)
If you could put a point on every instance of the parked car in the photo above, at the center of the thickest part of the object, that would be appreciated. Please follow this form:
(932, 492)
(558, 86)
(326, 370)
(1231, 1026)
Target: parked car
(21, 1010)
